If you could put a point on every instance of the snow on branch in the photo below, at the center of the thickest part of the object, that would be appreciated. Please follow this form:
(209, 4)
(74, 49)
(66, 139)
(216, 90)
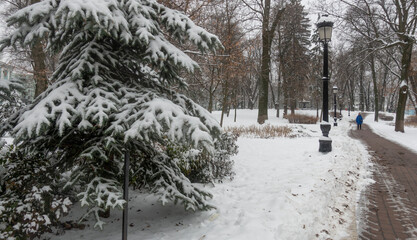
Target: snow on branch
(110, 94)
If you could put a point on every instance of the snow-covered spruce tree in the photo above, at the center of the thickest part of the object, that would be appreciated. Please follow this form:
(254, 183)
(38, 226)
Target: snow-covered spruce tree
(111, 93)
(7, 86)
(34, 199)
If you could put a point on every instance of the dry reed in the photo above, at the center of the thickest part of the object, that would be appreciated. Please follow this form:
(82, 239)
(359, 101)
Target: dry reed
(411, 121)
(302, 119)
(263, 131)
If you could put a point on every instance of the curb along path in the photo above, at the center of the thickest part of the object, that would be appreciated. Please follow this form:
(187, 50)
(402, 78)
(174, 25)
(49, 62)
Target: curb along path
(388, 208)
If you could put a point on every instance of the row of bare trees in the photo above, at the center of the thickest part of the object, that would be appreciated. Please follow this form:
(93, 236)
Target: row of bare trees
(265, 43)
(377, 61)
(271, 59)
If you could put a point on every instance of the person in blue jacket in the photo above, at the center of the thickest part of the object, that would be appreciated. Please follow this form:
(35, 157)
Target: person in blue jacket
(359, 120)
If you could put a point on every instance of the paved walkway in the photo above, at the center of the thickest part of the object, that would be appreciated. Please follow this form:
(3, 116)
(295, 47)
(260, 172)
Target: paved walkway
(388, 208)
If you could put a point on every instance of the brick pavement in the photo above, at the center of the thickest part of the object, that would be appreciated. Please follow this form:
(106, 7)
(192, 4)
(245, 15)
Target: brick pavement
(388, 208)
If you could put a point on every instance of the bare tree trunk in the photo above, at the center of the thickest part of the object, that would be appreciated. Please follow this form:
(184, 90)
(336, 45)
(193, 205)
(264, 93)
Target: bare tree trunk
(361, 89)
(374, 80)
(278, 93)
(402, 95)
(414, 92)
(224, 106)
(39, 68)
(263, 83)
(235, 104)
(225, 97)
(267, 36)
(399, 116)
(272, 93)
(210, 105)
(382, 92)
(413, 101)
(293, 103)
(211, 92)
(285, 104)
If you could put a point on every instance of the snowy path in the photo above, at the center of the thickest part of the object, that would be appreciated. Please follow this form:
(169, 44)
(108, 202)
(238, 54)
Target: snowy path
(390, 209)
(283, 189)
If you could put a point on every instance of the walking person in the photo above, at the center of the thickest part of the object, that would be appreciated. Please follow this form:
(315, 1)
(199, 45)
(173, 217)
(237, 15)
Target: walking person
(359, 121)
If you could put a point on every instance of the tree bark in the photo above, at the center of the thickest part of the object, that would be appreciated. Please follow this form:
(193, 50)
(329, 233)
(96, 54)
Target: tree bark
(361, 90)
(278, 92)
(39, 66)
(414, 91)
(399, 117)
(374, 80)
(211, 91)
(402, 95)
(224, 104)
(263, 83)
(267, 36)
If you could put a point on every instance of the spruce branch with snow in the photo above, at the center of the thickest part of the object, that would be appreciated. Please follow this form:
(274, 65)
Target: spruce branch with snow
(33, 199)
(10, 97)
(111, 93)
(7, 86)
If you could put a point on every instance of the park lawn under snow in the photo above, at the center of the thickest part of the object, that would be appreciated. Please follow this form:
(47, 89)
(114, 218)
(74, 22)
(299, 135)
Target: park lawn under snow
(283, 189)
(385, 129)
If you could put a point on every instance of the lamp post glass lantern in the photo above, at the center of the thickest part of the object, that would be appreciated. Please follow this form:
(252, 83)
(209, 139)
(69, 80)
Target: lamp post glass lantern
(325, 28)
(334, 100)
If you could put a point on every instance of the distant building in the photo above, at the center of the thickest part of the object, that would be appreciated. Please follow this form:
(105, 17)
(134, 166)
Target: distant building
(8, 72)
(304, 104)
(5, 71)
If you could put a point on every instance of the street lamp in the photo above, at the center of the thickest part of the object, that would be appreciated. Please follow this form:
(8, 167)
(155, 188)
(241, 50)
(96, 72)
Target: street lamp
(334, 100)
(325, 27)
(125, 194)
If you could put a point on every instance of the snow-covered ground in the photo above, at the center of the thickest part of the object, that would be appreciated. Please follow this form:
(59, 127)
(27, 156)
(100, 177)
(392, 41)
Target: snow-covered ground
(284, 188)
(385, 129)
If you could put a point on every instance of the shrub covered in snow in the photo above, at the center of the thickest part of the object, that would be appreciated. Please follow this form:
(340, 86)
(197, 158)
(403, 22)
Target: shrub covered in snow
(202, 167)
(411, 121)
(301, 119)
(385, 117)
(33, 199)
(111, 93)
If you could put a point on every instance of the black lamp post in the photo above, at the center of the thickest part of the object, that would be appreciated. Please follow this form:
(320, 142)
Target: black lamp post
(334, 99)
(125, 194)
(325, 27)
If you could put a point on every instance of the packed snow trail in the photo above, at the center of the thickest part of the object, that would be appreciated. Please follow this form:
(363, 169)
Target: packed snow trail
(390, 207)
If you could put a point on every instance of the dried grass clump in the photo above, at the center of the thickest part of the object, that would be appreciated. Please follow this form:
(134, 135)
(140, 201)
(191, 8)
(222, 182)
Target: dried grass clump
(411, 121)
(264, 131)
(302, 119)
(385, 117)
